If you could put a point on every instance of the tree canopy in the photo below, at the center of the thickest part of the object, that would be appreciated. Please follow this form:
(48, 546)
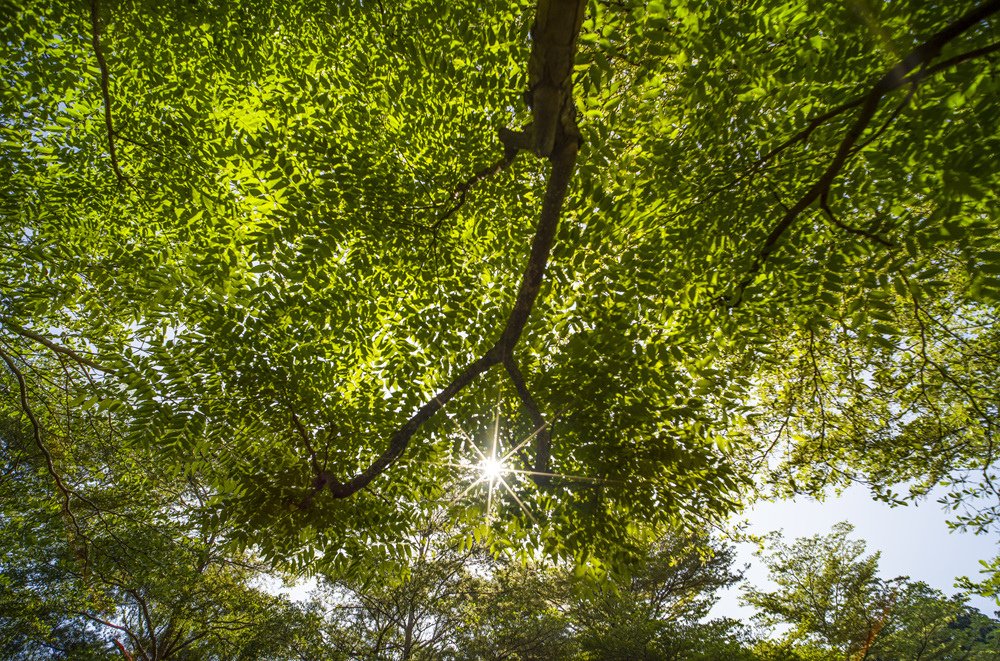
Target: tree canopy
(290, 274)
(838, 607)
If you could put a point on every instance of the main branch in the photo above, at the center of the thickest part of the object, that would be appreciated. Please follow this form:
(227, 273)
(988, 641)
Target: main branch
(557, 25)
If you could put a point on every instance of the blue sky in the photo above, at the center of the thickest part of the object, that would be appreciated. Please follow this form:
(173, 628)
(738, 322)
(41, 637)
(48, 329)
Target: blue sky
(915, 541)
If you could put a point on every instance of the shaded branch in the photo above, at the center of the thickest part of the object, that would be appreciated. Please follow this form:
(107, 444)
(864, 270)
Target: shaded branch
(543, 438)
(913, 79)
(95, 34)
(58, 348)
(305, 439)
(806, 133)
(893, 79)
(825, 206)
(914, 82)
(36, 429)
(961, 58)
(400, 439)
(458, 196)
(563, 165)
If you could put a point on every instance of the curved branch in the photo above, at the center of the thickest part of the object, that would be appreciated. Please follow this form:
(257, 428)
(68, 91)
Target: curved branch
(893, 79)
(400, 439)
(806, 133)
(549, 55)
(36, 429)
(543, 437)
(871, 236)
(58, 348)
(462, 190)
(95, 24)
(563, 164)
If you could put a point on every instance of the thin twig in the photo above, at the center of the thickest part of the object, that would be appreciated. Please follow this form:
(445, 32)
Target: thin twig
(462, 190)
(305, 439)
(804, 134)
(825, 206)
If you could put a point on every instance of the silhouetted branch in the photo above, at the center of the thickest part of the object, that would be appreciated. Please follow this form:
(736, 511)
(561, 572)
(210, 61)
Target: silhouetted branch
(543, 437)
(95, 23)
(462, 190)
(58, 348)
(893, 79)
(825, 206)
(36, 429)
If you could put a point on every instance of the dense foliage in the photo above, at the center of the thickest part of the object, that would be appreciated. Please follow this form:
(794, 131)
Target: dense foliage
(277, 276)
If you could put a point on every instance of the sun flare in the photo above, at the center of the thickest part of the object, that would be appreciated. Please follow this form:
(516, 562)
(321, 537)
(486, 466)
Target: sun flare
(492, 468)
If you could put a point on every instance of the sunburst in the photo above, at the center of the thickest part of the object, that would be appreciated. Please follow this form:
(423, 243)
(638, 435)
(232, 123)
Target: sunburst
(492, 467)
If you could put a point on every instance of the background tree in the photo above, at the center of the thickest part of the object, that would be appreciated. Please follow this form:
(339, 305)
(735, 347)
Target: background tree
(517, 611)
(655, 612)
(927, 625)
(121, 561)
(149, 590)
(828, 591)
(473, 605)
(402, 609)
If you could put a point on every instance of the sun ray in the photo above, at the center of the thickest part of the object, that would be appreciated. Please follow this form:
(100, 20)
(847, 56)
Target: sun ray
(527, 439)
(469, 488)
(599, 480)
(465, 434)
(489, 502)
(518, 501)
(482, 456)
(524, 442)
(489, 466)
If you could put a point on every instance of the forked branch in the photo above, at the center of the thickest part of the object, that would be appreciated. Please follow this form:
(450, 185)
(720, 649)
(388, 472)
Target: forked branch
(553, 135)
(911, 70)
